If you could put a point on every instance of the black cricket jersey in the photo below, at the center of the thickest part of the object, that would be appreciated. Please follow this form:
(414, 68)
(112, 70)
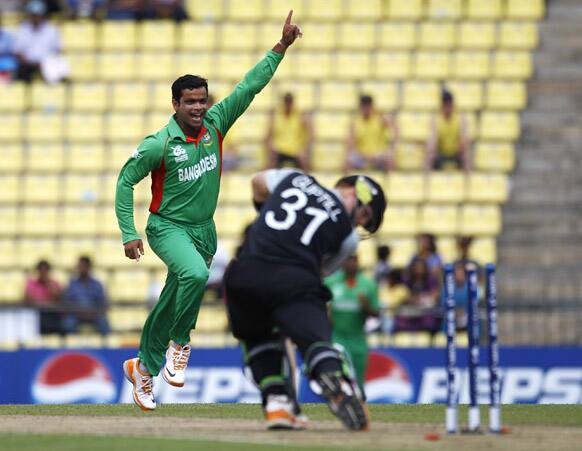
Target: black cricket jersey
(299, 224)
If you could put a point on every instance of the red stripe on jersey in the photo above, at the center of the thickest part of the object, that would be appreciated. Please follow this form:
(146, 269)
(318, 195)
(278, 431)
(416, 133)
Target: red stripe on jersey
(158, 178)
(220, 147)
(191, 139)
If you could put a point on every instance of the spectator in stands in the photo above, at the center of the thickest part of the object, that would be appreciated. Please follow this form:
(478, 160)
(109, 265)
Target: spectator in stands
(448, 146)
(166, 10)
(427, 250)
(372, 139)
(289, 136)
(86, 9)
(125, 9)
(37, 44)
(8, 62)
(86, 298)
(382, 268)
(45, 293)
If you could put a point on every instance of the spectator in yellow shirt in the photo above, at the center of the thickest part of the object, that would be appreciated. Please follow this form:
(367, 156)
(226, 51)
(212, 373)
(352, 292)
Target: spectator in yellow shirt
(289, 137)
(371, 139)
(448, 146)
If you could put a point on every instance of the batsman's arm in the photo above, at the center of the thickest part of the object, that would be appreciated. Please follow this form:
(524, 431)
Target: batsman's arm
(264, 183)
(349, 246)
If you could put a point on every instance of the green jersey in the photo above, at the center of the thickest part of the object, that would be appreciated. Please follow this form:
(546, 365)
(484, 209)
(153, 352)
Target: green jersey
(186, 170)
(347, 314)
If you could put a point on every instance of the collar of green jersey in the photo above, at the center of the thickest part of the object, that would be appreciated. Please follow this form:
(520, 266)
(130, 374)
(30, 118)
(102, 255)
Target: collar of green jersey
(174, 129)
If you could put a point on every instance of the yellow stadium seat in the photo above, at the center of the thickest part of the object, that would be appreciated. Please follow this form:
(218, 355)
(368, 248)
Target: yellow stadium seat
(367, 253)
(473, 65)
(203, 10)
(526, 9)
(402, 250)
(11, 128)
(414, 126)
(79, 35)
(499, 126)
(237, 188)
(398, 35)
(233, 66)
(483, 250)
(129, 285)
(109, 185)
(156, 66)
(238, 36)
(12, 286)
(45, 158)
(439, 219)
(495, 157)
(477, 35)
(368, 10)
(269, 33)
(518, 35)
(8, 254)
(84, 127)
(337, 95)
(13, 97)
(90, 97)
(327, 36)
(78, 221)
(313, 66)
(468, 94)
(400, 220)
(252, 126)
(117, 155)
(484, 10)
(40, 221)
(445, 9)
(86, 158)
(44, 97)
(506, 95)
(157, 35)
(10, 188)
(83, 188)
(447, 248)
(197, 35)
(412, 339)
(117, 66)
(107, 224)
(392, 65)
(331, 126)
(12, 158)
(277, 10)
(406, 187)
(448, 187)
(42, 189)
(410, 156)
(231, 221)
(438, 35)
(245, 10)
(512, 65)
(11, 222)
(480, 220)
(357, 36)
(119, 35)
(153, 123)
(265, 100)
(44, 127)
(405, 9)
(325, 10)
(487, 187)
(384, 93)
(110, 253)
(420, 95)
(329, 157)
(125, 127)
(431, 65)
(126, 318)
(303, 93)
(130, 96)
(83, 66)
(198, 63)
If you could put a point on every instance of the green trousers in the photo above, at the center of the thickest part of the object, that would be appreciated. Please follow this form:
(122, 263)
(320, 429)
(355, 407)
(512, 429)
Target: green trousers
(357, 350)
(187, 251)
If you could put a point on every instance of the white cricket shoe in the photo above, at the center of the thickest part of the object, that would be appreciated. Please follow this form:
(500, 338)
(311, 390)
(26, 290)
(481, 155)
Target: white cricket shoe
(143, 384)
(280, 414)
(176, 362)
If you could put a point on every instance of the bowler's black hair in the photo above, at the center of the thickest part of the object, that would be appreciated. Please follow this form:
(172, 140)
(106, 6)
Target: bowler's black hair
(187, 82)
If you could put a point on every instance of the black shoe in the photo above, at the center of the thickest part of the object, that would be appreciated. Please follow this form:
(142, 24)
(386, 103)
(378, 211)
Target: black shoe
(343, 401)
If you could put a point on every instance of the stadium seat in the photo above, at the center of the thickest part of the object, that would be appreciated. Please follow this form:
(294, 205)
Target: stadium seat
(12, 158)
(113, 66)
(118, 35)
(11, 127)
(411, 340)
(477, 35)
(447, 187)
(384, 93)
(78, 221)
(392, 65)
(200, 36)
(420, 95)
(245, 10)
(13, 97)
(154, 122)
(331, 126)
(231, 221)
(156, 66)
(70, 249)
(277, 10)
(402, 250)
(79, 35)
(130, 96)
(212, 319)
(11, 220)
(81, 188)
(439, 219)
(468, 94)
(84, 127)
(409, 9)
(238, 36)
(252, 126)
(237, 188)
(264, 101)
(313, 66)
(327, 36)
(367, 254)
(303, 92)
(357, 35)
(368, 10)
(329, 157)
(506, 95)
(45, 158)
(494, 157)
(90, 97)
(438, 35)
(414, 126)
(499, 126)
(512, 65)
(127, 318)
(488, 187)
(117, 155)
(44, 127)
(401, 220)
(483, 250)
(110, 253)
(447, 248)
(48, 98)
(518, 35)
(11, 286)
(484, 10)
(83, 66)
(406, 187)
(10, 188)
(398, 35)
(410, 156)
(128, 127)
(129, 285)
(40, 222)
(325, 10)
(480, 220)
(431, 65)
(205, 11)
(445, 9)
(107, 225)
(155, 35)
(526, 9)
(42, 189)
(8, 254)
(233, 66)
(199, 63)
(337, 95)
(471, 65)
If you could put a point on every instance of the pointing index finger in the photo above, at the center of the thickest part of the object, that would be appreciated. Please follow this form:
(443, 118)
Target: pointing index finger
(288, 20)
